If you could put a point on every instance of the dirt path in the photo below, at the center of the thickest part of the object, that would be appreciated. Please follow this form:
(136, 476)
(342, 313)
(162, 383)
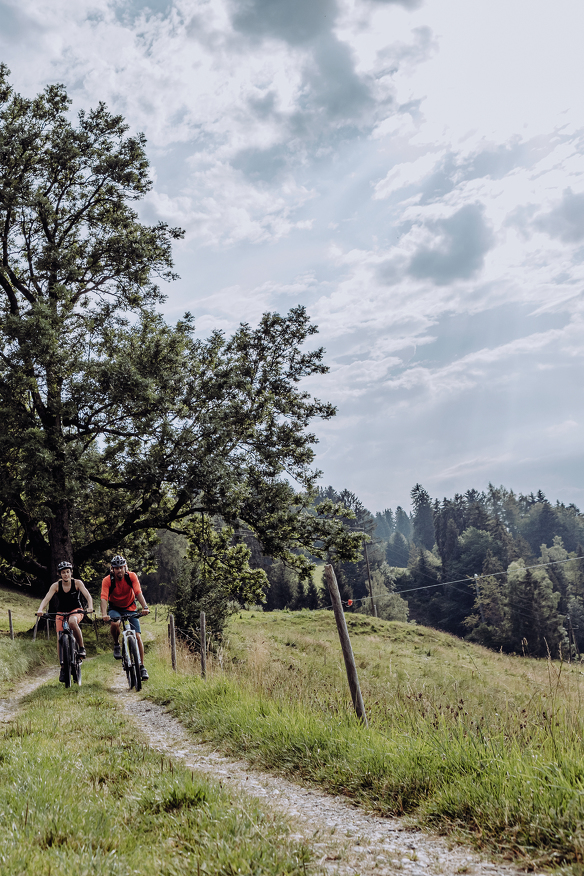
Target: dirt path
(344, 839)
(10, 704)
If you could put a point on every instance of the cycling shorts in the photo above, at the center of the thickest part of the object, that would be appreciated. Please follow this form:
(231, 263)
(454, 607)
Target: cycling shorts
(74, 614)
(117, 613)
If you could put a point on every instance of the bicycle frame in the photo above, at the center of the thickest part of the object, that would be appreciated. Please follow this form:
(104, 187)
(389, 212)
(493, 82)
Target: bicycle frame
(130, 650)
(72, 661)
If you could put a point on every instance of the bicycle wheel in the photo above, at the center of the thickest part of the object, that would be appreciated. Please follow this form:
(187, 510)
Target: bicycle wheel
(127, 664)
(66, 658)
(76, 669)
(135, 657)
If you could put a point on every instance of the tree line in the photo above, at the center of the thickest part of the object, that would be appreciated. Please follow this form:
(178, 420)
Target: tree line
(501, 569)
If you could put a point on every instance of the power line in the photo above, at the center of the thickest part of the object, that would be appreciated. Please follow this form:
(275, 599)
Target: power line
(465, 580)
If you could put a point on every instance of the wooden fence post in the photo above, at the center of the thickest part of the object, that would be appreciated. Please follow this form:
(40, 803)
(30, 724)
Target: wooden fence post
(203, 645)
(373, 605)
(34, 632)
(10, 624)
(172, 642)
(155, 614)
(345, 643)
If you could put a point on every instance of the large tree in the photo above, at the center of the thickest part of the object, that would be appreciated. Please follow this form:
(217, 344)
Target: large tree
(114, 423)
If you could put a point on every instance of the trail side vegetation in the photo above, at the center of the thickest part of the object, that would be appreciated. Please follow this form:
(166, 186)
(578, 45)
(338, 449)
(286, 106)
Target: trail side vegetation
(80, 792)
(483, 746)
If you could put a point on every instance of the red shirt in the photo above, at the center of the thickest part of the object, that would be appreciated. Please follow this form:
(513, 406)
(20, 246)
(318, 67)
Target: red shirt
(122, 595)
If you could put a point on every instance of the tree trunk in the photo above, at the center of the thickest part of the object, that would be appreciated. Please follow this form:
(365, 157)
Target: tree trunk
(59, 538)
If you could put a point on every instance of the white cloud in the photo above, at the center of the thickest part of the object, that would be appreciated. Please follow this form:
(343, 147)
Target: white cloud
(413, 173)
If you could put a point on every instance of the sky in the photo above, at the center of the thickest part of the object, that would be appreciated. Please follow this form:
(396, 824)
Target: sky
(409, 170)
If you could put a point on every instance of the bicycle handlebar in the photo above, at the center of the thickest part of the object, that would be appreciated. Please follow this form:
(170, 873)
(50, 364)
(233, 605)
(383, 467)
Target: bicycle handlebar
(53, 614)
(127, 615)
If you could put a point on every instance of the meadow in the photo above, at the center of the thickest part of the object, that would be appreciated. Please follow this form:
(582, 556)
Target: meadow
(483, 746)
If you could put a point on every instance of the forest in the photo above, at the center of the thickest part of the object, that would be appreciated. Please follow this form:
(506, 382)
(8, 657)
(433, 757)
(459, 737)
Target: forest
(500, 569)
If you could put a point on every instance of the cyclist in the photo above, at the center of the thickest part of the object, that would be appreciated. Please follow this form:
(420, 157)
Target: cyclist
(68, 590)
(121, 589)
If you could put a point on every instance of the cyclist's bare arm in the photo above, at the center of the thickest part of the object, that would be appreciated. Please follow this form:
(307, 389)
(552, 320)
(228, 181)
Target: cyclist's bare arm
(81, 586)
(47, 599)
(142, 601)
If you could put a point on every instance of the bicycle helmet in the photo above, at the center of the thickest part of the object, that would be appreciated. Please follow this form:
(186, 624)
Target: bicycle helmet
(64, 565)
(117, 561)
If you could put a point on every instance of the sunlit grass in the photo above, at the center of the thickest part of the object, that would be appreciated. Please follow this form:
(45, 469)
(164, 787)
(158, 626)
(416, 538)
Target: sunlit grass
(460, 738)
(80, 793)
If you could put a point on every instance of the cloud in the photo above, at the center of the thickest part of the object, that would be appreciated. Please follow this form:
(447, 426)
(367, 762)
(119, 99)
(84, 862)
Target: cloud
(333, 84)
(14, 24)
(459, 248)
(296, 23)
(407, 4)
(566, 221)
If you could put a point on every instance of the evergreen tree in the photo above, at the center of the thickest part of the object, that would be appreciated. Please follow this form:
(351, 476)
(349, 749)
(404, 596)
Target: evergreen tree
(423, 528)
(403, 524)
(397, 551)
(282, 590)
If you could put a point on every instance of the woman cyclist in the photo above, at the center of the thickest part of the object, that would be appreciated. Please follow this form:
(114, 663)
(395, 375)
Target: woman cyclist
(68, 590)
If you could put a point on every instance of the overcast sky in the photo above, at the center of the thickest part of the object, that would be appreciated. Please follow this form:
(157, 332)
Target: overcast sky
(410, 171)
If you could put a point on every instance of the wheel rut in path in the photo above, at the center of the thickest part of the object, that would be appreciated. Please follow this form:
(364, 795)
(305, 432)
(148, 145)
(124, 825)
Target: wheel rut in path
(10, 704)
(344, 839)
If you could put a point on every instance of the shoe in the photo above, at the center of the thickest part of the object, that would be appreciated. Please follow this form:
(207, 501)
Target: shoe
(82, 653)
(117, 652)
(144, 673)
(62, 674)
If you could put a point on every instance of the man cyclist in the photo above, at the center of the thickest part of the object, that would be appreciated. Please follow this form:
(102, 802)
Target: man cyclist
(121, 589)
(68, 590)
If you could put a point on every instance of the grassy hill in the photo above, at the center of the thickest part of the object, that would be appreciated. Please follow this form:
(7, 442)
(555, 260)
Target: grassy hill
(464, 740)
(482, 745)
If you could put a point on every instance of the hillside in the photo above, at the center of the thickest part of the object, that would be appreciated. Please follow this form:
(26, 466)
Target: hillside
(483, 744)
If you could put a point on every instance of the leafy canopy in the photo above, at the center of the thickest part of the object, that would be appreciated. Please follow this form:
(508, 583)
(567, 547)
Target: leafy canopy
(115, 423)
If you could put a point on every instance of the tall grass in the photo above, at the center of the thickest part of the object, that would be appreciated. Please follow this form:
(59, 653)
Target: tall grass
(462, 739)
(80, 793)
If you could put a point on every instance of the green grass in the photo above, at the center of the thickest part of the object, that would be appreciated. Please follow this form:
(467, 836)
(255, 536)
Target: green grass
(80, 793)
(463, 740)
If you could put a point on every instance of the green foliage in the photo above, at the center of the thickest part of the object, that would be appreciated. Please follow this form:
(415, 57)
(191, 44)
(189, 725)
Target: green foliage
(167, 558)
(216, 575)
(423, 523)
(115, 424)
(390, 605)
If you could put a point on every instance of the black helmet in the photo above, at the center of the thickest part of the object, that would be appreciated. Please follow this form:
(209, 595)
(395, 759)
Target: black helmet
(117, 561)
(64, 565)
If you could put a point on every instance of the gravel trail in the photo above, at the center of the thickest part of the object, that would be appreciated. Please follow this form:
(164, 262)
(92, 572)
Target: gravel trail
(345, 840)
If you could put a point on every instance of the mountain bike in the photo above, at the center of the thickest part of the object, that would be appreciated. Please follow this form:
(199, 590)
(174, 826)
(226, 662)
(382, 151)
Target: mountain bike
(68, 648)
(130, 653)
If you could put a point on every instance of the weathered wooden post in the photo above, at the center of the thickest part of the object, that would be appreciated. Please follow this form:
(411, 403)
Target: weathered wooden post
(172, 641)
(10, 624)
(203, 645)
(345, 643)
(155, 614)
(34, 632)
(373, 606)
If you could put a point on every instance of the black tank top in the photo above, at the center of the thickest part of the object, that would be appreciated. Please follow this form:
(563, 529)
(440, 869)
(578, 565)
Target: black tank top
(71, 600)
